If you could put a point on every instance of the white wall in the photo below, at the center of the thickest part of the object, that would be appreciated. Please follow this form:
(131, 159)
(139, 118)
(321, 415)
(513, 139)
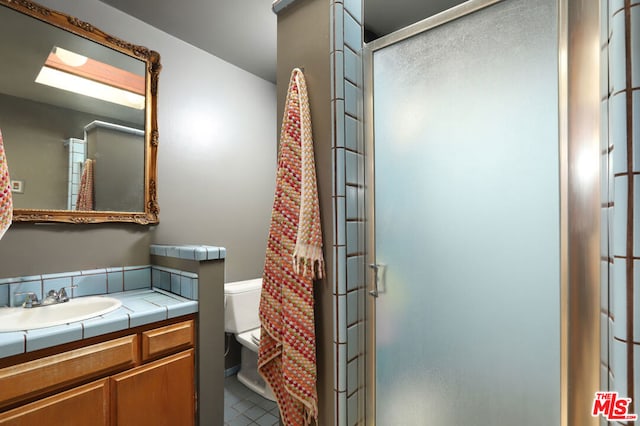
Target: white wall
(217, 158)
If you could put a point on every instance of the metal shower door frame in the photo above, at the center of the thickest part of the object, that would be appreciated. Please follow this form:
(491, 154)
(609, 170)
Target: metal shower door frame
(579, 149)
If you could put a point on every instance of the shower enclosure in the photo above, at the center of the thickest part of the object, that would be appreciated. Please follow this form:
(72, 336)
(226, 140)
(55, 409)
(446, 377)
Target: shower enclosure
(483, 207)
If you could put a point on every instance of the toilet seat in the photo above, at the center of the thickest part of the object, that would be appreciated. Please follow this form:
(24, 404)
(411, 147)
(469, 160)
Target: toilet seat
(250, 339)
(255, 336)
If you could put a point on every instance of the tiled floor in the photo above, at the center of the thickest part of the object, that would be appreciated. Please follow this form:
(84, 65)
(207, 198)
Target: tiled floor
(243, 407)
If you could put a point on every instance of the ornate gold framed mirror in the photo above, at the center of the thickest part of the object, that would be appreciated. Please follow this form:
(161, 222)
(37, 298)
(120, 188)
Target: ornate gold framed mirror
(78, 115)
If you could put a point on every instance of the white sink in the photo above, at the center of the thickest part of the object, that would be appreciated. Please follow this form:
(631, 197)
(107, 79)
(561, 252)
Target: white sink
(78, 309)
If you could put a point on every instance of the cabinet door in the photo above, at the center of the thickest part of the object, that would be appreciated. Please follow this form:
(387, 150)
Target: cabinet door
(81, 406)
(160, 393)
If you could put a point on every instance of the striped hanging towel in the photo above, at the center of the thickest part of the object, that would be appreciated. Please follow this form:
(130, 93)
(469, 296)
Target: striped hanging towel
(6, 201)
(85, 194)
(287, 354)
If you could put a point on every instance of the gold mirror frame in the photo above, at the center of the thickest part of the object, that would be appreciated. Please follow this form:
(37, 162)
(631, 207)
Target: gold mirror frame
(150, 215)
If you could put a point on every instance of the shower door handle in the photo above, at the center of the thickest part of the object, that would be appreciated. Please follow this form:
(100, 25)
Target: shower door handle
(375, 267)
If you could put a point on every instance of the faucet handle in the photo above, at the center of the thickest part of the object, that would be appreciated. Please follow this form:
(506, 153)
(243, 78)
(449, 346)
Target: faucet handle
(30, 300)
(62, 294)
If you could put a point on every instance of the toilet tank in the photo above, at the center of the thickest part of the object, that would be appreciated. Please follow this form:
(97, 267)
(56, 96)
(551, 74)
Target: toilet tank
(241, 304)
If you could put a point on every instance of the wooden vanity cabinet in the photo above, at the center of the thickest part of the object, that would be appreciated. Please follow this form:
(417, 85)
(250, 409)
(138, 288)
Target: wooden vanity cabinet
(160, 393)
(143, 378)
(81, 406)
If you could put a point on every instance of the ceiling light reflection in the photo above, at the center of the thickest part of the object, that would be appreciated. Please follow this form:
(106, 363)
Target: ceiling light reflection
(73, 83)
(70, 58)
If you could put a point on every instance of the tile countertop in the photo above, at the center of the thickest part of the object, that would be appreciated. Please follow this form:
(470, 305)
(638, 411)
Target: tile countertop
(139, 307)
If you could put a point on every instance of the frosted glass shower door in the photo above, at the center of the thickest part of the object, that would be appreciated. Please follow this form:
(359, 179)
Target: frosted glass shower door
(467, 217)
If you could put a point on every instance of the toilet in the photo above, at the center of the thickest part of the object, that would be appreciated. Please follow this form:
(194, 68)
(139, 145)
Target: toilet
(241, 304)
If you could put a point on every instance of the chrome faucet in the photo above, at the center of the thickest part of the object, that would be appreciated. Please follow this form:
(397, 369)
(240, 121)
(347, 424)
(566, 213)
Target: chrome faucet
(30, 301)
(53, 297)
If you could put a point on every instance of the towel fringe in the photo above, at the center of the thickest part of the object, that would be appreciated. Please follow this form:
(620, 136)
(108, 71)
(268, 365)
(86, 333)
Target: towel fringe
(308, 261)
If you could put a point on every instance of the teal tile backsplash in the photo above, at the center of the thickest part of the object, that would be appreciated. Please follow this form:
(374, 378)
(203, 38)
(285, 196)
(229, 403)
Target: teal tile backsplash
(115, 281)
(101, 281)
(179, 282)
(136, 278)
(4, 296)
(89, 285)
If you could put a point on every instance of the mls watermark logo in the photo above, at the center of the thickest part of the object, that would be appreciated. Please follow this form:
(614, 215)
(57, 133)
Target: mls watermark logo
(612, 407)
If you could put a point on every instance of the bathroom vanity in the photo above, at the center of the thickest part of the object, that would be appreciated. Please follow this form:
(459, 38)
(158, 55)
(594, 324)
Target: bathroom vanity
(137, 376)
(155, 360)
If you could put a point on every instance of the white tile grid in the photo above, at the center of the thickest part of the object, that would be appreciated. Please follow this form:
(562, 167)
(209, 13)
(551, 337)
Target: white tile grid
(619, 300)
(341, 269)
(604, 288)
(604, 340)
(352, 377)
(346, 28)
(352, 409)
(354, 7)
(618, 132)
(352, 33)
(336, 44)
(355, 272)
(617, 215)
(339, 124)
(341, 362)
(338, 73)
(617, 54)
(341, 412)
(340, 176)
(342, 324)
(340, 232)
(337, 14)
(619, 361)
(352, 308)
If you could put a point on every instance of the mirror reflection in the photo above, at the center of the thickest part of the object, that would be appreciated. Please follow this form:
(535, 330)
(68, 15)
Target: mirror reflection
(72, 114)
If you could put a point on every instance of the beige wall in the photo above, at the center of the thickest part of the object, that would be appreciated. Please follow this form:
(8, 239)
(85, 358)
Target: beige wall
(303, 41)
(216, 163)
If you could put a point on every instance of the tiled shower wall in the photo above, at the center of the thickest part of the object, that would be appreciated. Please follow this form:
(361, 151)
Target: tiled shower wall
(622, 106)
(348, 206)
